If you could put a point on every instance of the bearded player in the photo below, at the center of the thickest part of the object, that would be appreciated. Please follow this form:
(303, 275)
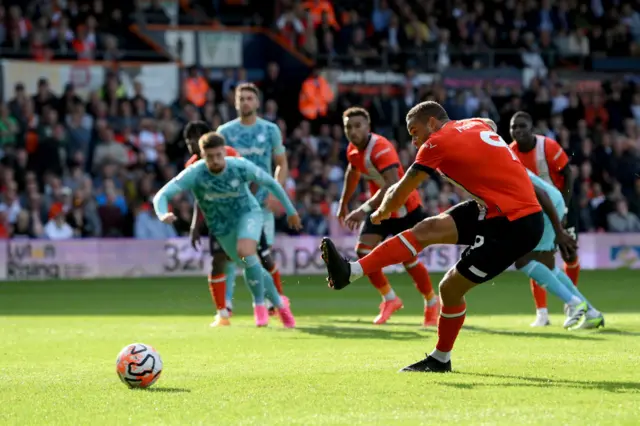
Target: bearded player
(260, 142)
(192, 133)
(502, 223)
(220, 184)
(374, 158)
(546, 158)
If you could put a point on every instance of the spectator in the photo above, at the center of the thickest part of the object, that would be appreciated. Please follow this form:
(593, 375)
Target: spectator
(315, 96)
(622, 220)
(149, 227)
(8, 127)
(57, 228)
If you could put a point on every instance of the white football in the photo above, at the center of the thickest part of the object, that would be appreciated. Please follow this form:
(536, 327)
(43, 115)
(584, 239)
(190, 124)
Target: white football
(138, 365)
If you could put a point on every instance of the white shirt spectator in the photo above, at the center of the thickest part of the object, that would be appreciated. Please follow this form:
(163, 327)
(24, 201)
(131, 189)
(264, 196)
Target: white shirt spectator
(57, 231)
(148, 142)
(12, 210)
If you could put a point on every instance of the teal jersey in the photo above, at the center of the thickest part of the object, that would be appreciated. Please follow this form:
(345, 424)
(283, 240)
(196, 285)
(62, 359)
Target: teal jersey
(554, 194)
(257, 143)
(222, 197)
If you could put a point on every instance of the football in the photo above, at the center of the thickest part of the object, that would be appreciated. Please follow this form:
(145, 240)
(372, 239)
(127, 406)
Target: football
(138, 365)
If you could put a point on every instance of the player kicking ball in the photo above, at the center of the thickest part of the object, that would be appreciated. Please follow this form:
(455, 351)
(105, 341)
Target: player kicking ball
(374, 158)
(503, 223)
(539, 265)
(233, 215)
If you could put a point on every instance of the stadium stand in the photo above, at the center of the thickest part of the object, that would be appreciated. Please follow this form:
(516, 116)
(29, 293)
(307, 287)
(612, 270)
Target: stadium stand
(86, 164)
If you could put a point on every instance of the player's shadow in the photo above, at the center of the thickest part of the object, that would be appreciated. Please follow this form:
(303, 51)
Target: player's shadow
(168, 390)
(614, 332)
(360, 333)
(368, 322)
(541, 382)
(563, 336)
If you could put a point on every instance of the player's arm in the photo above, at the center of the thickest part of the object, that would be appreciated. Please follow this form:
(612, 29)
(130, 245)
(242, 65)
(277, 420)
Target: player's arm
(351, 179)
(183, 182)
(390, 177)
(567, 189)
(263, 179)
(548, 208)
(281, 172)
(197, 216)
(397, 194)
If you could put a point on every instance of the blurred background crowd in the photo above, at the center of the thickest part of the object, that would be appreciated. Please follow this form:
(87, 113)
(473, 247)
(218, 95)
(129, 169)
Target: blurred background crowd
(87, 166)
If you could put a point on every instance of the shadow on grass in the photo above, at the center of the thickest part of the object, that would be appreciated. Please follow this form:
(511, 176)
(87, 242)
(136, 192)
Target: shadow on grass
(540, 382)
(546, 335)
(566, 335)
(614, 332)
(360, 333)
(167, 390)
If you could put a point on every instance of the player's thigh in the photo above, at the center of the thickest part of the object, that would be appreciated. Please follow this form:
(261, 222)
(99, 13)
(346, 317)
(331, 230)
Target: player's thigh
(229, 243)
(467, 218)
(269, 226)
(401, 224)
(458, 225)
(249, 232)
(547, 258)
(548, 239)
(499, 244)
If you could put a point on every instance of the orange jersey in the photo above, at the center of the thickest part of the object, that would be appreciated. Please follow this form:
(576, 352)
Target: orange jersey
(231, 152)
(546, 159)
(471, 155)
(379, 156)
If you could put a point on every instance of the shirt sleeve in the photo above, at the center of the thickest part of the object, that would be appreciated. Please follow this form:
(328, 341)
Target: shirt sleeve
(556, 157)
(259, 176)
(276, 141)
(183, 182)
(429, 156)
(384, 157)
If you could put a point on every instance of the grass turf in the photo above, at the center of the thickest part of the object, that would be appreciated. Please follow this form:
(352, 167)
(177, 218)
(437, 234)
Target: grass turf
(59, 341)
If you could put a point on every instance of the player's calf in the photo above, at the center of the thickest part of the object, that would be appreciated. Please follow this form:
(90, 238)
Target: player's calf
(422, 281)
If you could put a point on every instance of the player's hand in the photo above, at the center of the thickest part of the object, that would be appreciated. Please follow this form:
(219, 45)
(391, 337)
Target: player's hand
(194, 235)
(379, 215)
(566, 243)
(168, 218)
(294, 222)
(355, 218)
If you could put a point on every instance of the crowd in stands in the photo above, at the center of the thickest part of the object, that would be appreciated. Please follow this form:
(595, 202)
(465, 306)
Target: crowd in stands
(434, 35)
(73, 167)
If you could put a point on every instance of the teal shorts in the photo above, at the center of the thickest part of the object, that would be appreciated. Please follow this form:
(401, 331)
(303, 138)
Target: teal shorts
(249, 226)
(548, 240)
(269, 226)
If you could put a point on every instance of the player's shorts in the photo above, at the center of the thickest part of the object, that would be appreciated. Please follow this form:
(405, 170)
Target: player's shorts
(216, 249)
(248, 227)
(548, 240)
(573, 217)
(494, 244)
(269, 226)
(394, 225)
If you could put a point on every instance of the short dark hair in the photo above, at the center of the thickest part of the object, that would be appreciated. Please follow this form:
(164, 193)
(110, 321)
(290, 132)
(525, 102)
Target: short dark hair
(425, 110)
(524, 115)
(194, 129)
(356, 112)
(249, 87)
(211, 140)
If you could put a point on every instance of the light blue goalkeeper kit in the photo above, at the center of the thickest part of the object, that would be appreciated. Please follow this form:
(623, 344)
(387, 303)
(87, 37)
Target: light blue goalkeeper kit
(231, 212)
(556, 281)
(257, 143)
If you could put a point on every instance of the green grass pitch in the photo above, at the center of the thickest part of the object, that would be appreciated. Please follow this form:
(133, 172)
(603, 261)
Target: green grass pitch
(59, 341)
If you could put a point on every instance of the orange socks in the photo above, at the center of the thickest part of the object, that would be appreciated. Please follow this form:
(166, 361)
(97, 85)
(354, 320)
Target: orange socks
(449, 325)
(277, 281)
(377, 278)
(573, 271)
(420, 277)
(217, 287)
(399, 249)
(539, 295)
